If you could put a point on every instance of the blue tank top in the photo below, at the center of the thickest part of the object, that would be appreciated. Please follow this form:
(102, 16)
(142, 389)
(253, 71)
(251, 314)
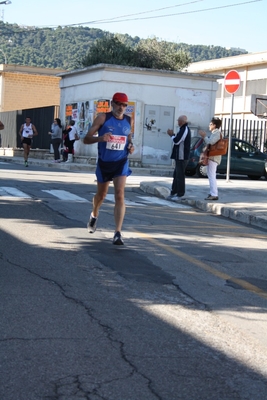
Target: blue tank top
(116, 149)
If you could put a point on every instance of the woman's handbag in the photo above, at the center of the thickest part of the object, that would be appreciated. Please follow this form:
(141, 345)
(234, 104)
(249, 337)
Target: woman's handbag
(204, 156)
(219, 148)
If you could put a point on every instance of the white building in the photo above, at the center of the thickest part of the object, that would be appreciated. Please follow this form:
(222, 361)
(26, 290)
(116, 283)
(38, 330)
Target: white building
(252, 69)
(156, 99)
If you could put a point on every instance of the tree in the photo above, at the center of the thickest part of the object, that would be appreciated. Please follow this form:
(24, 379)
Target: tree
(152, 53)
(109, 50)
(148, 53)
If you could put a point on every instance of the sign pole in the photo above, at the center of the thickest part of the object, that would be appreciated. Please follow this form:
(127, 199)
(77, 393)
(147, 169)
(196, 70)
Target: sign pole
(231, 85)
(230, 139)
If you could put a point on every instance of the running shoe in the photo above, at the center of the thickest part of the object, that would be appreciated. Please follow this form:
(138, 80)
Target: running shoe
(117, 239)
(26, 163)
(91, 226)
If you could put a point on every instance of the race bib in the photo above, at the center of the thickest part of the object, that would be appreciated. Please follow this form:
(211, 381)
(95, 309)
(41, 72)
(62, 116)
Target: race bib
(116, 142)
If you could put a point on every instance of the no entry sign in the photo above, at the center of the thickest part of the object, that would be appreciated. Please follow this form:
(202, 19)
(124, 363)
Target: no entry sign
(232, 81)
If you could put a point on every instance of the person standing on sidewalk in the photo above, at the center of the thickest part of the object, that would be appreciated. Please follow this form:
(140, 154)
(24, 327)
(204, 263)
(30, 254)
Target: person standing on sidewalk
(56, 138)
(26, 132)
(72, 136)
(180, 153)
(114, 144)
(214, 127)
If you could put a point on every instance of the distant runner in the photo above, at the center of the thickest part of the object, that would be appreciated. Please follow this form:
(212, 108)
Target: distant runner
(26, 132)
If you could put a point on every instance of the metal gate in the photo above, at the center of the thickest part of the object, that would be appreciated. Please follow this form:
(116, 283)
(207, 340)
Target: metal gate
(252, 131)
(42, 118)
(157, 144)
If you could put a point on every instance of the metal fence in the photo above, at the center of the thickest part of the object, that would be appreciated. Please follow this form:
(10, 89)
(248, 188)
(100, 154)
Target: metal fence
(254, 132)
(41, 117)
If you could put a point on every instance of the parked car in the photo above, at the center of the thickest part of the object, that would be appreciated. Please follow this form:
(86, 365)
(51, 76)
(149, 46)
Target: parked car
(245, 160)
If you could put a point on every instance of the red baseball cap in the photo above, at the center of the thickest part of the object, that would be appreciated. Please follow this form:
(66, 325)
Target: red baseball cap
(121, 97)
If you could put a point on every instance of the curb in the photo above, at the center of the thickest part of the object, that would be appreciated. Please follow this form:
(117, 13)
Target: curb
(241, 215)
(85, 167)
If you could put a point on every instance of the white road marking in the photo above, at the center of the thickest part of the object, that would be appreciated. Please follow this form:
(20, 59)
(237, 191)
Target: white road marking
(66, 196)
(110, 197)
(139, 178)
(149, 200)
(13, 192)
(156, 200)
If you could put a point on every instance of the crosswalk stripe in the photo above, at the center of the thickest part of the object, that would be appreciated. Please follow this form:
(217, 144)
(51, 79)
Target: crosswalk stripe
(140, 179)
(64, 195)
(67, 196)
(149, 200)
(13, 192)
(156, 200)
(110, 197)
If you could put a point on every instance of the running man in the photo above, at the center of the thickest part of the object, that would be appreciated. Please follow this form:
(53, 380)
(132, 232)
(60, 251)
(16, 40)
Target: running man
(114, 144)
(26, 132)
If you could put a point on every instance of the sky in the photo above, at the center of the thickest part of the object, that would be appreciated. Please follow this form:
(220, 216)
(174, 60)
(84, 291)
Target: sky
(231, 23)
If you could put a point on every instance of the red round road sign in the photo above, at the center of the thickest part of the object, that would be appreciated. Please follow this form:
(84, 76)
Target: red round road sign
(232, 81)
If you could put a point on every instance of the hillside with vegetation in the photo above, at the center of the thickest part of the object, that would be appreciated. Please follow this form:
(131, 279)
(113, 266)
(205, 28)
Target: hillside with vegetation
(74, 47)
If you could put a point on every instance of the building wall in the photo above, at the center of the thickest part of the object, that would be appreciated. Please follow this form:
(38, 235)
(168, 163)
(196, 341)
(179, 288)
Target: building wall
(23, 91)
(190, 94)
(252, 69)
(28, 87)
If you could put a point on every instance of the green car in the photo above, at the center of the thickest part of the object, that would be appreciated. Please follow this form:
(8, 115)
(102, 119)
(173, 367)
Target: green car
(245, 160)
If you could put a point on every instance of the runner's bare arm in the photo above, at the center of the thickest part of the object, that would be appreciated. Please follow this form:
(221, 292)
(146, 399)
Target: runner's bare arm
(98, 122)
(2, 126)
(35, 133)
(130, 145)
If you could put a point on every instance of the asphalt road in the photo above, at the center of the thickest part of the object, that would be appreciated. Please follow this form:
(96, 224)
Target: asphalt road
(179, 312)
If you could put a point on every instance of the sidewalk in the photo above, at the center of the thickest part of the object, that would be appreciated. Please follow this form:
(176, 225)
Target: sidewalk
(83, 167)
(241, 199)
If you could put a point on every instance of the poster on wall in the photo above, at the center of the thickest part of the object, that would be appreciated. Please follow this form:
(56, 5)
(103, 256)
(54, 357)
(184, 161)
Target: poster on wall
(84, 113)
(130, 110)
(101, 106)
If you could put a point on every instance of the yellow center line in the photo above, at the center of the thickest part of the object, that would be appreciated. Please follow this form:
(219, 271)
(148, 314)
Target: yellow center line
(245, 285)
